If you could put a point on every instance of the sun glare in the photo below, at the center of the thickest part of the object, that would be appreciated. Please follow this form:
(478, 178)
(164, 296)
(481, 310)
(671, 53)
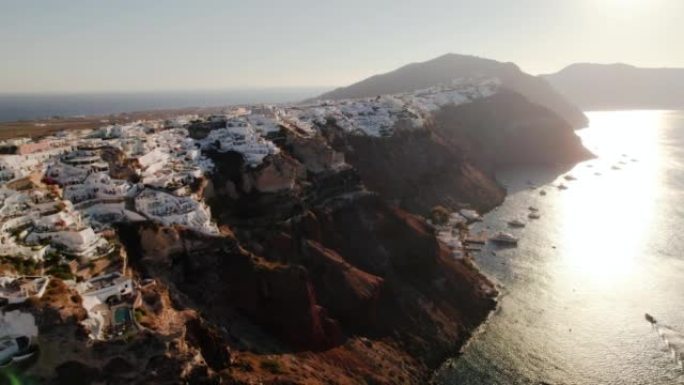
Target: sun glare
(608, 251)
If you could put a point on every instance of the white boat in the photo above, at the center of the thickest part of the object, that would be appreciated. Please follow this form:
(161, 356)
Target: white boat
(16, 290)
(15, 349)
(504, 238)
(516, 223)
(471, 215)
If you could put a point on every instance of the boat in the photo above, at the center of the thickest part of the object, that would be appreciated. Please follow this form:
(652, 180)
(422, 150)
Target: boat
(504, 238)
(17, 290)
(471, 215)
(562, 187)
(15, 349)
(569, 177)
(534, 215)
(615, 168)
(650, 319)
(542, 192)
(533, 209)
(516, 223)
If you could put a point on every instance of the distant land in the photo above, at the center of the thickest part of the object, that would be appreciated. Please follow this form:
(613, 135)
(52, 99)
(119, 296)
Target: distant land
(620, 86)
(20, 106)
(451, 66)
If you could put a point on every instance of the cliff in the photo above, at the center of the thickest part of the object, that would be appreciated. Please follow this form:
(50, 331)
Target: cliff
(349, 292)
(314, 263)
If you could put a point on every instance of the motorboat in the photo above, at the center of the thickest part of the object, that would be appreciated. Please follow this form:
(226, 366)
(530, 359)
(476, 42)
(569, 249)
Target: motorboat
(534, 215)
(650, 319)
(471, 215)
(504, 238)
(542, 192)
(569, 177)
(533, 209)
(516, 223)
(562, 187)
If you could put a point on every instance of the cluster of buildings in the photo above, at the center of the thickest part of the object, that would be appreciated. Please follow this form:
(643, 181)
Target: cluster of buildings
(381, 115)
(61, 195)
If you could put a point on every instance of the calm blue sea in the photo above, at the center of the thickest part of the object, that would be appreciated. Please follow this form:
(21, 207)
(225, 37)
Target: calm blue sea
(34, 106)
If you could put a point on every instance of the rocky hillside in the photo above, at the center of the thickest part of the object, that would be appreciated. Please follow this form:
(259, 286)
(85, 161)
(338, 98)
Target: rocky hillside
(620, 86)
(282, 245)
(452, 66)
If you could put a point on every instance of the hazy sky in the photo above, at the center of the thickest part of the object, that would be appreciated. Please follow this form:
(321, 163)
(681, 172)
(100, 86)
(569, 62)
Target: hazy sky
(92, 45)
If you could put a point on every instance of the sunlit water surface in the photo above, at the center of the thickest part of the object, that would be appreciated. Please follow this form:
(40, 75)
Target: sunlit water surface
(605, 251)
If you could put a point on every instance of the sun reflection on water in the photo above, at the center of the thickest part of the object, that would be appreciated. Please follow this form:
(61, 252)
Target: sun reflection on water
(604, 252)
(597, 249)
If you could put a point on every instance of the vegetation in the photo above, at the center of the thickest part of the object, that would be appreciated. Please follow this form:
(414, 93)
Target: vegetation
(23, 266)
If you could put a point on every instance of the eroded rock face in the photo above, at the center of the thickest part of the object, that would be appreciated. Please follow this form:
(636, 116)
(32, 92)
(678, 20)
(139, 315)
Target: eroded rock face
(280, 174)
(351, 268)
(218, 275)
(419, 170)
(505, 129)
(315, 153)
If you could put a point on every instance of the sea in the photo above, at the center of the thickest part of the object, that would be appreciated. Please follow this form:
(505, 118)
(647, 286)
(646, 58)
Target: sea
(15, 107)
(606, 250)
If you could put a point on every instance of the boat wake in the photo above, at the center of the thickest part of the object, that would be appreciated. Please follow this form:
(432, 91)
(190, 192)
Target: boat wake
(673, 339)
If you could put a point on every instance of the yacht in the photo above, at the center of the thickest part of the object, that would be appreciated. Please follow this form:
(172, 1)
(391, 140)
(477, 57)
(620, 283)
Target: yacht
(471, 215)
(504, 238)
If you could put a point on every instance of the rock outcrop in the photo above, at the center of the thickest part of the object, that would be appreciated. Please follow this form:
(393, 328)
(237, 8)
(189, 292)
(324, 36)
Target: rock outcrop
(352, 274)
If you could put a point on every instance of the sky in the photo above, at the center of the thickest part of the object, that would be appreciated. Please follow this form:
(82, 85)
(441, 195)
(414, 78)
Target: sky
(146, 45)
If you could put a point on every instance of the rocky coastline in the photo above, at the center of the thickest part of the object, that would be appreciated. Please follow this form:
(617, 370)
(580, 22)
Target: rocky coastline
(324, 268)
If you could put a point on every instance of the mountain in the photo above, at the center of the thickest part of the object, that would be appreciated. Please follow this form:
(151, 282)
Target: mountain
(451, 66)
(620, 86)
